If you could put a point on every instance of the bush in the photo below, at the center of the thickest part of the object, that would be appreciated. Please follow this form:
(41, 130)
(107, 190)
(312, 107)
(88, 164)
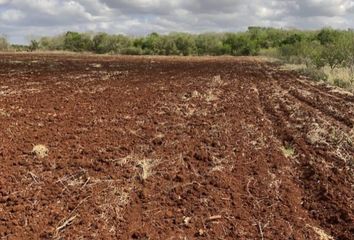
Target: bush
(334, 55)
(341, 83)
(104, 43)
(211, 44)
(52, 43)
(34, 45)
(77, 42)
(288, 51)
(185, 43)
(4, 45)
(327, 36)
(292, 39)
(131, 51)
(241, 44)
(314, 74)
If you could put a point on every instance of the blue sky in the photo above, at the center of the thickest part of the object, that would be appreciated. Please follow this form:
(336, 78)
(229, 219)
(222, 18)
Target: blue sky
(21, 20)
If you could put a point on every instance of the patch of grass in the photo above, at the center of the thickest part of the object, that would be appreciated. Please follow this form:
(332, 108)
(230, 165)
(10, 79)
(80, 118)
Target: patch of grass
(317, 135)
(341, 77)
(292, 67)
(343, 73)
(271, 53)
(313, 73)
(288, 151)
(341, 83)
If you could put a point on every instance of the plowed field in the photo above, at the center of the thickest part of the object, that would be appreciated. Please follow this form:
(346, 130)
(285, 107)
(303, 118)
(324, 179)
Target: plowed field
(171, 148)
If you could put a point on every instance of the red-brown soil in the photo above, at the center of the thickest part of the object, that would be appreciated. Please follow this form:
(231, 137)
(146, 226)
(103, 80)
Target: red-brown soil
(172, 148)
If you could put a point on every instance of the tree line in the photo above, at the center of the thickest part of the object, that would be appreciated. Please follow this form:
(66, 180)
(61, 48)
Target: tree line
(245, 43)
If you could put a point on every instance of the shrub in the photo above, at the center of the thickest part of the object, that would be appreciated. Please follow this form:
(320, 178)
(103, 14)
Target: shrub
(4, 45)
(185, 44)
(341, 83)
(314, 74)
(210, 44)
(292, 39)
(241, 44)
(34, 45)
(77, 42)
(334, 55)
(131, 51)
(327, 36)
(52, 43)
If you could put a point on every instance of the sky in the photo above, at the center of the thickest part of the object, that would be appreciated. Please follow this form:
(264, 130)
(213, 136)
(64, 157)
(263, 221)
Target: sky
(22, 20)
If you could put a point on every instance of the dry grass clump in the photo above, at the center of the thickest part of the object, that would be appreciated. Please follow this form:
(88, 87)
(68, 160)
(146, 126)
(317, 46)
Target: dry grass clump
(342, 77)
(217, 81)
(317, 135)
(112, 202)
(288, 151)
(144, 167)
(147, 168)
(40, 151)
(211, 96)
(341, 143)
(321, 233)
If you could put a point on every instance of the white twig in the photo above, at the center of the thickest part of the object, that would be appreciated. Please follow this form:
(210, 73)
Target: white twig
(66, 223)
(260, 230)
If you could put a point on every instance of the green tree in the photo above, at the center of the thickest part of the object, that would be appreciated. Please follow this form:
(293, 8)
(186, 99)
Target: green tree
(185, 44)
(150, 44)
(34, 45)
(338, 53)
(77, 42)
(101, 43)
(168, 46)
(210, 44)
(327, 36)
(292, 39)
(241, 44)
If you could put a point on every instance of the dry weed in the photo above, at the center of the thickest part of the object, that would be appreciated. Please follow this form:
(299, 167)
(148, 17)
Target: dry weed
(40, 151)
(321, 233)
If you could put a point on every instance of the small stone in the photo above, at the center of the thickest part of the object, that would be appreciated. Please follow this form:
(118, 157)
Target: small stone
(186, 220)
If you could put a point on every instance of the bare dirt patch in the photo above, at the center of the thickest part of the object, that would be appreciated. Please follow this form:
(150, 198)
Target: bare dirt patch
(171, 148)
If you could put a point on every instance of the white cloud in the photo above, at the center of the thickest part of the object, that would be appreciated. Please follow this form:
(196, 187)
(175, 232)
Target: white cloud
(327, 8)
(11, 15)
(18, 18)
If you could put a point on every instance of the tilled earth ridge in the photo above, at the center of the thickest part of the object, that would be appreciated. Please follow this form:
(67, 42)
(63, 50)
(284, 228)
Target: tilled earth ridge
(172, 148)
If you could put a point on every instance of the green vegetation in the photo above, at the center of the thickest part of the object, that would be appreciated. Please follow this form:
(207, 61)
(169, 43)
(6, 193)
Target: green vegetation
(328, 55)
(243, 43)
(310, 47)
(288, 151)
